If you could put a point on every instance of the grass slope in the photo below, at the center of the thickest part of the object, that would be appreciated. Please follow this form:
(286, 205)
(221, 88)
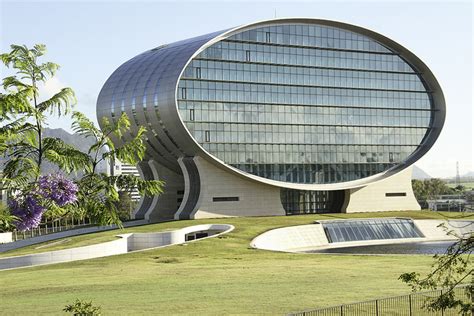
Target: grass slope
(213, 276)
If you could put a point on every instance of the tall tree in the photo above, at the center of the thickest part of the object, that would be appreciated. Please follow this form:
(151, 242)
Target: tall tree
(23, 119)
(429, 189)
(98, 192)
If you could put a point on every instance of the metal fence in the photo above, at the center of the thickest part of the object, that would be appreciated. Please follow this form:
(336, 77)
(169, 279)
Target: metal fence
(53, 227)
(405, 305)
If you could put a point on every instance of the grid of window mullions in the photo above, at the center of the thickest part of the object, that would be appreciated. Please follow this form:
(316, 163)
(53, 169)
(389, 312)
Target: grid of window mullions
(228, 40)
(236, 153)
(305, 202)
(385, 137)
(311, 34)
(259, 106)
(231, 71)
(260, 63)
(303, 116)
(310, 125)
(305, 56)
(236, 92)
(302, 85)
(314, 173)
(182, 101)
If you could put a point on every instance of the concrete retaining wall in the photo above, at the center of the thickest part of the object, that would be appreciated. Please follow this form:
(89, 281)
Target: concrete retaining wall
(5, 238)
(88, 252)
(67, 233)
(126, 243)
(294, 237)
(304, 237)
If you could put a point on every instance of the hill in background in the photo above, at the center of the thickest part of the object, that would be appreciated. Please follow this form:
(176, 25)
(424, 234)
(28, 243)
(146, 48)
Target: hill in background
(419, 174)
(80, 142)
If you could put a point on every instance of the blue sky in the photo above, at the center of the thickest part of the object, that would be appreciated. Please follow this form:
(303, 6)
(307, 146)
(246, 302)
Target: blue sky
(90, 39)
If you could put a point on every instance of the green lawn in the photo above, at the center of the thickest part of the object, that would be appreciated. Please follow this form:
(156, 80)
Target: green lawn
(213, 276)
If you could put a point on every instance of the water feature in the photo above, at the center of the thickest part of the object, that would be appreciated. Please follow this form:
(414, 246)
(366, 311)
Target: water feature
(425, 247)
(370, 229)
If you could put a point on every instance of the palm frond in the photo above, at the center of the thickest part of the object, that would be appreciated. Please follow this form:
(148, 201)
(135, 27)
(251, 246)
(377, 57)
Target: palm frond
(60, 103)
(122, 125)
(49, 68)
(15, 103)
(65, 156)
(21, 167)
(133, 151)
(84, 126)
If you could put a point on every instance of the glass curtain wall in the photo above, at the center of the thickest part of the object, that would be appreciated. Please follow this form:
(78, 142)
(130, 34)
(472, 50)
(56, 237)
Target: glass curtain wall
(304, 104)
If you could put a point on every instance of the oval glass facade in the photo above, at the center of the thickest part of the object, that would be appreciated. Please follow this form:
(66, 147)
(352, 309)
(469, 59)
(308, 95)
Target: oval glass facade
(304, 103)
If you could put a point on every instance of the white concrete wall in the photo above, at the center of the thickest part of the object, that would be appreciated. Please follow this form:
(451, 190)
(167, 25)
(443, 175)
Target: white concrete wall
(255, 199)
(431, 229)
(305, 237)
(140, 241)
(291, 238)
(5, 237)
(371, 198)
(126, 243)
(115, 247)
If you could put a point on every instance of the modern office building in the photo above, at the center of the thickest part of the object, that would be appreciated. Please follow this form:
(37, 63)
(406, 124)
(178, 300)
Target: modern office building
(118, 168)
(284, 116)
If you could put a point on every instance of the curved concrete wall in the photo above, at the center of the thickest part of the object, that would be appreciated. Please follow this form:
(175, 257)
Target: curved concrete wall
(306, 237)
(126, 243)
(291, 238)
(372, 198)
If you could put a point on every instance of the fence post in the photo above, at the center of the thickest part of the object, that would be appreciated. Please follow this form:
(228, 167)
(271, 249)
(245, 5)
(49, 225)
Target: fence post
(377, 307)
(442, 309)
(342, 310)
(409, 304)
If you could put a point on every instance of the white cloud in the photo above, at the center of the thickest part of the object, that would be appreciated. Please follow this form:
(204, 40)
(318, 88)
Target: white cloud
(49, 88)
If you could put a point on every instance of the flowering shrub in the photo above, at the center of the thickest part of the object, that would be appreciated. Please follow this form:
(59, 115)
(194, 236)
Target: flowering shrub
(58, 188)
(29, 208)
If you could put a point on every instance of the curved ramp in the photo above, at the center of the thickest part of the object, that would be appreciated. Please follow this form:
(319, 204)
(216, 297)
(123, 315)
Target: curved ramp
(126, 243)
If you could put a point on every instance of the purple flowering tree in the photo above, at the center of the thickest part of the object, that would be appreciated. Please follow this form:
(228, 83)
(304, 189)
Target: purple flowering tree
(28, 210)
(58, 189)
(53, 191)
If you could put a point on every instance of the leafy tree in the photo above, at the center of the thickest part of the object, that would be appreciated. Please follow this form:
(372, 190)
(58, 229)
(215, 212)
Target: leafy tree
(429, 189)
(83, 308)
(21, 137)
(459, 188)
(450, 269)
(23, 119)
(98, 195)
(125, 205)
(6, 219)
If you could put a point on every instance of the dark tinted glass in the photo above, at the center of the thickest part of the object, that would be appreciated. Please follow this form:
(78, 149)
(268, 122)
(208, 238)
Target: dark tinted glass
(354, 230)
